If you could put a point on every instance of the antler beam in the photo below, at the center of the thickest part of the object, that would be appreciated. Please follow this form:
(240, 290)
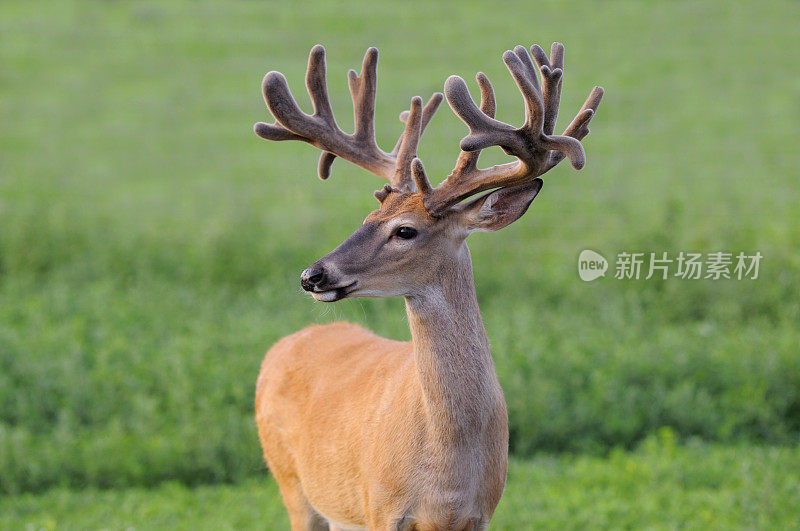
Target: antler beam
(537, 150)
(321, 130)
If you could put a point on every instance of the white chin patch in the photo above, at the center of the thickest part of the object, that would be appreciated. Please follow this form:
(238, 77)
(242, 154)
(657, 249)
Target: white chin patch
(325, 296)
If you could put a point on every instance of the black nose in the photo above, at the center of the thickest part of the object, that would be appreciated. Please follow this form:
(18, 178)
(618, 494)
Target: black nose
(312, 277)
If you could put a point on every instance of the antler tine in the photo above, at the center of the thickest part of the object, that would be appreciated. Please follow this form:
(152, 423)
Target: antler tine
(363, 89)
(423, 184)
(552, 71)
(521, 67)
(317, 85)
(407, 144)
(427, 113)
(533, 144)
(579, 127)
(467, 160)
(408, 147)
(326, 159)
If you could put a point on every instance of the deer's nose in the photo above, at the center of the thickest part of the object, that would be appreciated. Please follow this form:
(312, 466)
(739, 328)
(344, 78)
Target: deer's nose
(312, 277)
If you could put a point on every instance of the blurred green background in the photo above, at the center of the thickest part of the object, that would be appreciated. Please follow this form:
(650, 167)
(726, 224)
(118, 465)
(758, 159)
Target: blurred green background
(150, 246)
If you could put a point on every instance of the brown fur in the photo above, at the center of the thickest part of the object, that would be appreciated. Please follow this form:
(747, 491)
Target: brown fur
(343, 426)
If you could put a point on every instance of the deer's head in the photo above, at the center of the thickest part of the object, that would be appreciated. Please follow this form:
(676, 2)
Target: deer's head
(418, 229)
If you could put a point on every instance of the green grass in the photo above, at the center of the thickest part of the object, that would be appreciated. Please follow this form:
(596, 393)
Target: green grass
(150, 244)
(659, 486)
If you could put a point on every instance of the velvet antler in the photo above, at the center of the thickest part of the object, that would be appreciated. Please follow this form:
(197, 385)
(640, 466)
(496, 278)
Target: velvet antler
(537, 150)
(320, 129)
(534, 145)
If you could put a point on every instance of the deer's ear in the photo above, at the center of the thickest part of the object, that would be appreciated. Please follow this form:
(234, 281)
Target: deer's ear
(495, 210)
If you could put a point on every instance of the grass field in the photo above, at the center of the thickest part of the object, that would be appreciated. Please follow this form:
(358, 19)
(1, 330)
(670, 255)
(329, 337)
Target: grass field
(150, 247)
(659, 486)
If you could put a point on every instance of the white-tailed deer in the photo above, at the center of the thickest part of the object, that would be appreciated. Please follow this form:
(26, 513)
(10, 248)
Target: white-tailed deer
(365, 432)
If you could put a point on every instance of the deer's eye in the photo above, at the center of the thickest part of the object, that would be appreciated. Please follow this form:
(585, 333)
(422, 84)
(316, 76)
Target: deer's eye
(405, 233)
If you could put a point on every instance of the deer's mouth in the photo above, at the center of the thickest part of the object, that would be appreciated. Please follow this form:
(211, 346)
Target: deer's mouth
(333, 294)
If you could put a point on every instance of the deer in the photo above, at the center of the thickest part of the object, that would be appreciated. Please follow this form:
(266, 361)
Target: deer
(363, 432)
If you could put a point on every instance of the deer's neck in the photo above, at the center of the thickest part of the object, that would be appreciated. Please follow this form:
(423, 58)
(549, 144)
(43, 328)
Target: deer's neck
(454, 365)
